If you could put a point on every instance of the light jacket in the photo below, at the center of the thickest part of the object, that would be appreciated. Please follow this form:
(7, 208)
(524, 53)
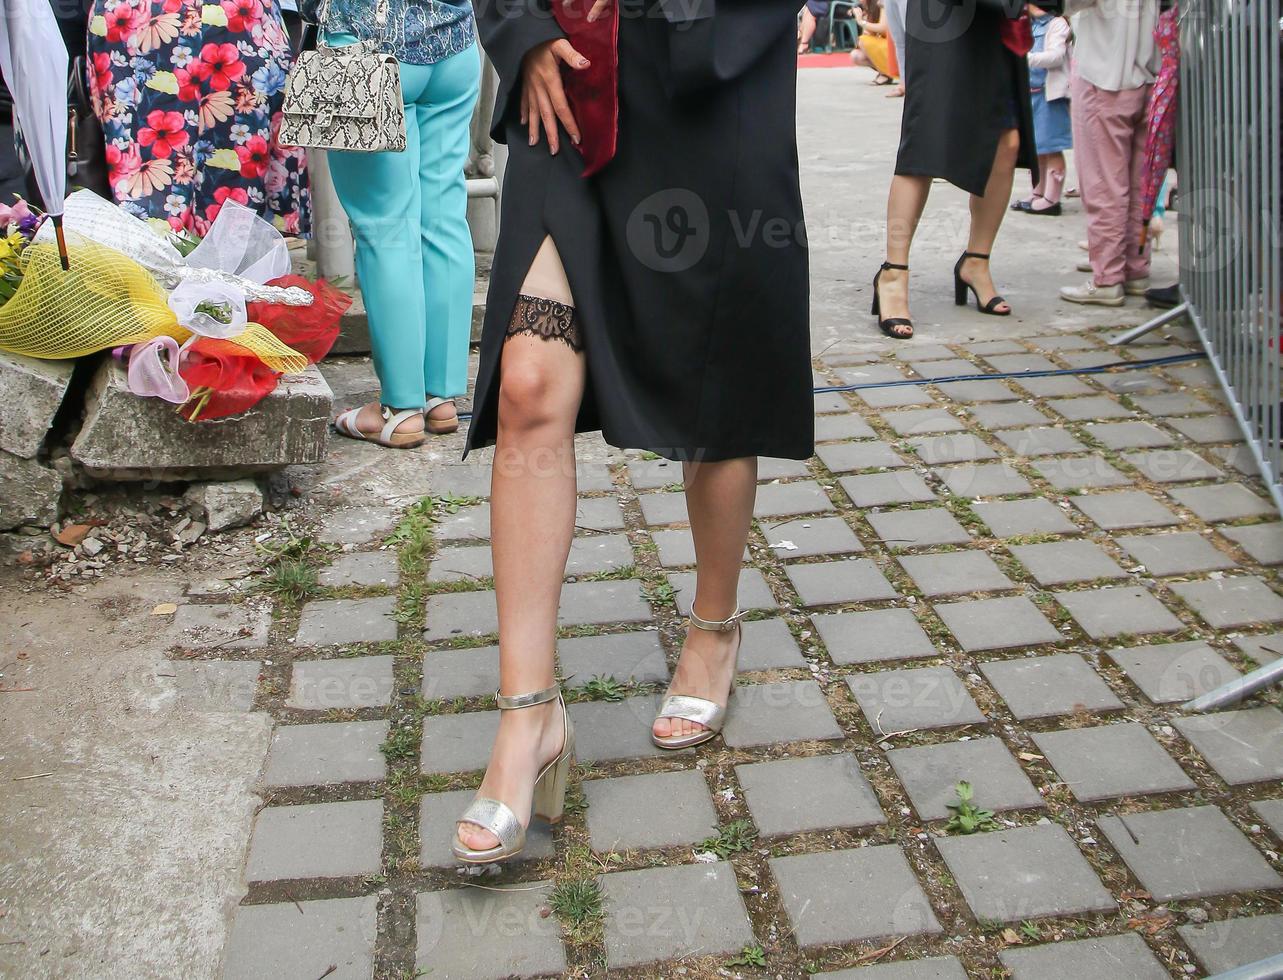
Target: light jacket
(1114, 47)
(1054, 58)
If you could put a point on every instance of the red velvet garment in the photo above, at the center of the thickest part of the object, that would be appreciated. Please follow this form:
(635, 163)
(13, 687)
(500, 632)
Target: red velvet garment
(1017, 35)
(593, 92)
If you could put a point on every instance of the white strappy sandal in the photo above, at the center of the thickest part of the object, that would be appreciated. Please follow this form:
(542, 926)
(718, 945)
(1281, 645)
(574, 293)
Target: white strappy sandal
(549, 802)
(439, 427)
(345, 424)
(710, 714)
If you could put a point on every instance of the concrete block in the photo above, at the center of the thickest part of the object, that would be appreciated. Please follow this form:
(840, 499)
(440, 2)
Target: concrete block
(31, 392)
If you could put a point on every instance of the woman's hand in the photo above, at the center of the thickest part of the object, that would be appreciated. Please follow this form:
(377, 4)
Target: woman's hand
(543, 97)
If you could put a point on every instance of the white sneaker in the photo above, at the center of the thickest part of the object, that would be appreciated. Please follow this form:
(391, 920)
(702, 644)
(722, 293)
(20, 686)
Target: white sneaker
(1091, 294)
(1136, 287)
(1084, 266)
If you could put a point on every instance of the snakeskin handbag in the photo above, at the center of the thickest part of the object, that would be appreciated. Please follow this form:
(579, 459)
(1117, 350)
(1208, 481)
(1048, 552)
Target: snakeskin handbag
(345, 98)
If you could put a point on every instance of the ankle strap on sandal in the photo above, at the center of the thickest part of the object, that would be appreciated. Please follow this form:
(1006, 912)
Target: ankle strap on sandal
(976, 255)
(716, 625)
(894, 265)
(510, 701)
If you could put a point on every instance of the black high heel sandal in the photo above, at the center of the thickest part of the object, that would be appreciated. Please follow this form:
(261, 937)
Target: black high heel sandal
(887, 325)
(961, 286)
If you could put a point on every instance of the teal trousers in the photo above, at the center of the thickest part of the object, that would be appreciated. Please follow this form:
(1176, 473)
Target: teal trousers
(408, 212)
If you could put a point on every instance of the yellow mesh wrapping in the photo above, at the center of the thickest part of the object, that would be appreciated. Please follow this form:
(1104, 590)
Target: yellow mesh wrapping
(106, 300)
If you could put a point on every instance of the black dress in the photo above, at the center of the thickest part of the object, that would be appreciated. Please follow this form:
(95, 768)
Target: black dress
(967, 88)
(686, 254)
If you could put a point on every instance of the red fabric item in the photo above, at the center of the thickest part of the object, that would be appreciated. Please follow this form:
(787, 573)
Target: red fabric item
(310, 330)
(1017, 35)
(593, 92)
(236, 379)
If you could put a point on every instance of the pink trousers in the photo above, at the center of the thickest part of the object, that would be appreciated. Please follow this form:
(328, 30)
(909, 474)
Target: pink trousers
(1109, 153)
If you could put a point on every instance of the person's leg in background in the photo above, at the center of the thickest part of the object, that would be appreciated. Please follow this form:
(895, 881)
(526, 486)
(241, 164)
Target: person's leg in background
(1136, 259)
(444, 115)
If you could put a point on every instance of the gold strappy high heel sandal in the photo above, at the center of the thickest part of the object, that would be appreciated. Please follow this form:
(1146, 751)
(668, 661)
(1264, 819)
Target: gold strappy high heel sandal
(710, 714)
(549, 801)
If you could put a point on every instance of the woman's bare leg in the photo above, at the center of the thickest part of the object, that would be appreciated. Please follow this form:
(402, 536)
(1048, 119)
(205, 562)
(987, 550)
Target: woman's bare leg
(987, 213)
(532, 518)
(719, 497)
(904, 210)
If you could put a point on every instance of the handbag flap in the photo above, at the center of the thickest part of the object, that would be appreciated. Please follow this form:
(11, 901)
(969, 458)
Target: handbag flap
(329, 82)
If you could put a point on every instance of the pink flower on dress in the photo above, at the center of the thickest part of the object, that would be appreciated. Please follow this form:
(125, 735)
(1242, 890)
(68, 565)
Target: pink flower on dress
(243, 16)
(223, 64)
(164, 132)
(254, 156)
(223, 194)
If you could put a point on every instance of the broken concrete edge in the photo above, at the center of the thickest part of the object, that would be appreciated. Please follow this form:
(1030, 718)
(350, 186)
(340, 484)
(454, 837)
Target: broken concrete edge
(31, 393)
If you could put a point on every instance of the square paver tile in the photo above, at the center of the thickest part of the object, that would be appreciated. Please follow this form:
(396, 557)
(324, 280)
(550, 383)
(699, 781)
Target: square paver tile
(946, 369)
(970, 392)
(1079, 472)
(807, 537)
(1222, 603)
(830, 582)
(1208, 429)
(878, 634)
(468, 673)
(926, 968)
(452, 926)
(592, 553)
(1025, 873)
(772, 468)
(830, 403)
(1063, 562)
(321, 755)
(357, 525)
(1262, 542)
(334, 936)
(1261, 649)
(654, 474)
(1181, 553)
(930, 774)
(1271, 811)
(924, 352)
(997, 624)
(1230, 943)
(1242, 746)
(1171, 672)
(453, 615)
(1188, 853)
(846, 425)
(457, 742)
(1110, 761)
(657, 809)
(1103, 613)
(984, 348)
(316, 840)
(663, 508)
(438, 814)
(1055, 387)
(754, 593)
(918, 528)
(911, 698)
(1128, 435)
(212, 685)
(1223, 501)
(326, 622)
(853, 895)
(1043, 687)
(791, 499)
(983, 480)
(461, 563)
(792, 796)
(896, 397)
(636, 657)
(922, 421)
(952, 447)
(607, 731)
(786, 711)
(1106, 957)
(851, 457)
(599, 514)
(1008, 415)
(768, 644)
(1062, 341)
(222, 626)
(879, 489)
(1173, 465)
(1041, 441)
(602, 603)
(1009, 518)
(955, 573)
(470, 523)
(368, 569)
(353, 682)
(676, 547)
(1087, 409)
(1173, 403)
(669, 912)
(1125, 509)
(1016, 363)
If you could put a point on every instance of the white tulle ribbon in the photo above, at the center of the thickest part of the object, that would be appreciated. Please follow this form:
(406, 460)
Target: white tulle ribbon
(153, 371)
(187, 298)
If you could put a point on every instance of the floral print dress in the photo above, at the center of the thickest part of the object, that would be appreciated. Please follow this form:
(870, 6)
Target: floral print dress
(189, 95)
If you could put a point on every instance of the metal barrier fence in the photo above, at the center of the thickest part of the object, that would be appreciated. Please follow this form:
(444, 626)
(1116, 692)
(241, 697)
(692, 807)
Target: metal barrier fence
(1231, 192)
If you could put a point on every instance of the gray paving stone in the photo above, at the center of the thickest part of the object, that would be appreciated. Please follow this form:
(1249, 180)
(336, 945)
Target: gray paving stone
(592, 553)
(453, 615)
(1110, 761)
(1242, 600)
(457, 742)
(1190, 852)
(792, 499)
(847, 425)
(952, 447)
(984, 348)
(871, 372)
(593, 478)
(922, 421)
(1128, 435)
(1008, 415)
(851, 457)
(1271, 812)
(470, 523)
(368, 569)
(1173, 403)
(1079, 472)
(983, 479)
(1180, 553)
(997, 624)
(1063, 386)
(867, 637)
(848, 580)
(771, 468)
(1262, 542)
(463, 480)
(316, 840)
(670, 912)
(1063, 341)
(947, 368)
(1230, 943)
(223, 626)
(356, 525)
(754, 592)
(607, 731)
(658, 809)
(438, 814)
(879, 489)
(214, 685)
(677, 548)
(830, 403)
(927, 968)
(895, 397)
(1208, 429)
(1015, 363)
(792, 796)
(1193, 376)
(930, 774)
(918, 528)
(636, 657)
(470, 563)
(663, 508)
(352, 682)
(1237, 457)
(469, 673)
(598, 514)
(1009, 518)
(457, 614)
(1041, 441)
(853, 895)
(1125, 509)
(1062, 562)
(955, 573)
(295, 941)
(810, 536)
(651, 474)
(970, 392)
(767, 644)
(924, 352)
(1087, 409)
(1105, 957)
(1173, 465)
(1103, 613)
(785, 711)
(321, 755)
(912, 698)
(1171, 672)
(329, 622)
(1043, 687)
(453, 927)
(1223, 502)
(1242, 746)
(1025, 873)
(1132, 383)
(1261, 649)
